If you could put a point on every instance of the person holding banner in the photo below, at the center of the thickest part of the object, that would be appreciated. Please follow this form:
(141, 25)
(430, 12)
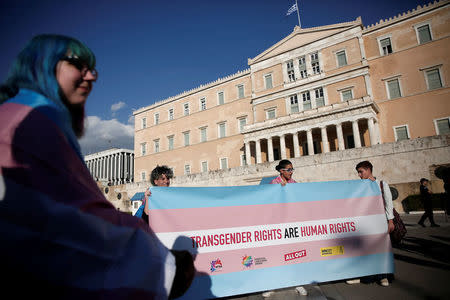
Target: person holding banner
(160, 176)
(364, 170)
(286, 169)
(60, 237)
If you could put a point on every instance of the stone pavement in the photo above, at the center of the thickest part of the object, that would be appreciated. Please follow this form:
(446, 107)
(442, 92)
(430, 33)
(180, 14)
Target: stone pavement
(422, 270)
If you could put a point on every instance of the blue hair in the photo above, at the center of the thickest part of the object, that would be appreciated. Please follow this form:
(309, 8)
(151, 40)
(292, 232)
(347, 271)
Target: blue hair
(35, 66)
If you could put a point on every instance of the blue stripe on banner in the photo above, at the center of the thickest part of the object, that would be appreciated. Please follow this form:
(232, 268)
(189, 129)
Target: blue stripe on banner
(206, 287)
(175, 197)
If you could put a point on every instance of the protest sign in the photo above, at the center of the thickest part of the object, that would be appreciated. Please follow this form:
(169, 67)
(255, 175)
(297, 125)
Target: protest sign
(254, 238)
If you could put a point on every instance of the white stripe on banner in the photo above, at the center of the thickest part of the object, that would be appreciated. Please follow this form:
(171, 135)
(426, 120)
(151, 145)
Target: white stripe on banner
(222, 239)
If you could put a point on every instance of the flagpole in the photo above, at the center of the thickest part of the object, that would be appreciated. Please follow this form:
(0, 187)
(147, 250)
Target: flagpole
(298, 15)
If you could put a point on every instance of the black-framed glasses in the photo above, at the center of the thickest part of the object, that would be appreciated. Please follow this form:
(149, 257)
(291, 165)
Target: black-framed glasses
(80, 65)
(288, 170)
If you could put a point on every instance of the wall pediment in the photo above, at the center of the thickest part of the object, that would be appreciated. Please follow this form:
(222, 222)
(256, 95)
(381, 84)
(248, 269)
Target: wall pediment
(301, 37)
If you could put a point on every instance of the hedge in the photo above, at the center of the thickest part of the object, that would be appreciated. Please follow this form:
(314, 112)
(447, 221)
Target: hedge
(413, 202)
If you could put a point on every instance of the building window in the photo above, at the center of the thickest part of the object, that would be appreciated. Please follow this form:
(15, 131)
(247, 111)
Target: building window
(156, 118)
(347, 95)
(202, 103)
(341, 58)
(156, 143)
(268, 81)
(433, 79)
(443, 126)
(393, 87)
(302, 67)
(203, 136)
(170, 114)
(306, 97)
(221, 127)
(204, 166)
(241, 123)
(290, 70)
(186, 109)
(220, 98)
(320, 99)
(187, 169)
(143, 148)
(143, 176)
(144, 123)
(294, 103)
(385, 46)
(271, 113)
(315, 63)
(423, 33)
(224, 163)
(401, 133)
(240, 90)
(186, 138)
(170, 142)
(243, 160)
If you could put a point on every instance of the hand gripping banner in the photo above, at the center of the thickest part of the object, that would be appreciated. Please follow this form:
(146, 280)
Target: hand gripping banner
(247, 239)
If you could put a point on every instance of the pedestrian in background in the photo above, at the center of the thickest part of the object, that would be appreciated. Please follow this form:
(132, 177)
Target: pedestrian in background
(425, 197)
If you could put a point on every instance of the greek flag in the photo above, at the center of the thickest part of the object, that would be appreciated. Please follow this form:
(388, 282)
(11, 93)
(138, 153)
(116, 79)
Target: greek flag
(292, 9)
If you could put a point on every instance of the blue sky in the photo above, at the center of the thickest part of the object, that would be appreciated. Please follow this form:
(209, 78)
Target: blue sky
(150, 50)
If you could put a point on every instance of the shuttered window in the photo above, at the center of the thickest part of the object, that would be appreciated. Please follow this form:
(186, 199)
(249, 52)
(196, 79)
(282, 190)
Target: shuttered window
(394, 89)
(402, 133)
(424, 34)
(434, 79)
(268, 81)
(443, 126)
(341, 58)
(347, 95)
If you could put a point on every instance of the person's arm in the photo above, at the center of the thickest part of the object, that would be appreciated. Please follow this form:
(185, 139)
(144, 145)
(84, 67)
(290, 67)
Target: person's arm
(388, 206)
(147, 195)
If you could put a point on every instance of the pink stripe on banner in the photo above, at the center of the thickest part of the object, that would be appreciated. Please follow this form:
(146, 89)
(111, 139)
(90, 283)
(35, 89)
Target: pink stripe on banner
(176, 220)
(273, 256)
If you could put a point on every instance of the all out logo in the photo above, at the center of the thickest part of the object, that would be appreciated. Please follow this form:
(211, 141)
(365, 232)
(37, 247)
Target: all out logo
(295, 255)
(247, 261)
(216, 265)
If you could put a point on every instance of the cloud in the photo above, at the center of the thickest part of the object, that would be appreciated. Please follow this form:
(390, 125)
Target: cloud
(106, 134)
(117, 106)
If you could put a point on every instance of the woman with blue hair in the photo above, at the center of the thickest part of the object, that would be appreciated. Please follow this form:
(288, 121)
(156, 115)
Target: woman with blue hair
(60, 237)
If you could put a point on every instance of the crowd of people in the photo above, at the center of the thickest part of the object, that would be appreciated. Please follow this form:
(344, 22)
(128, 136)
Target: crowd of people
(54, 218)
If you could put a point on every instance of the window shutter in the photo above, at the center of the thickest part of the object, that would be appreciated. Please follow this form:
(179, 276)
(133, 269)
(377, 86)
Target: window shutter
(443, 126)
(434, 80)
(402, 133)
(385, 42)
(394, 89)
(342, 61)
(424, 34)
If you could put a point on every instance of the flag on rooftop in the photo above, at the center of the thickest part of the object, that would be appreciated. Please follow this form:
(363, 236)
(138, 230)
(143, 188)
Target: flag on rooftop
(292, 9)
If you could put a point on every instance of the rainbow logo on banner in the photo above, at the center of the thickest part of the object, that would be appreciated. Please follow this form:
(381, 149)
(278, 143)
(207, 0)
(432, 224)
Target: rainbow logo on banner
(270, 236)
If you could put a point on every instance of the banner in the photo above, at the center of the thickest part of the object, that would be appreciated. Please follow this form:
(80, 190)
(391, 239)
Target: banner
(247, 239)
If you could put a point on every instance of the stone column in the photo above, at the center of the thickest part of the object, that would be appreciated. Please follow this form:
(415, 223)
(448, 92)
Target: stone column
(282, 146)
(340, 136)
(132, 168)
(309, 139)
(120, 169)
(325, 143)
(377, 133)
(370, 124)
(356, 136)
(296, 145)
(270, 149)
(248, 154)
(258, 151)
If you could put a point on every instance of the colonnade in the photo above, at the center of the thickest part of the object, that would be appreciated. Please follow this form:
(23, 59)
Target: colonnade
(372, 126)
(116, 168)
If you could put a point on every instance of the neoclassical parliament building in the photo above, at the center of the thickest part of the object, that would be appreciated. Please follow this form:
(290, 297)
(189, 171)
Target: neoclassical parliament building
(318, 90)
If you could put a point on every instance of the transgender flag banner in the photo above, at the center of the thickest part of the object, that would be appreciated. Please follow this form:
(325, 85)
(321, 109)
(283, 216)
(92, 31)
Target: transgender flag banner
(247, 239)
